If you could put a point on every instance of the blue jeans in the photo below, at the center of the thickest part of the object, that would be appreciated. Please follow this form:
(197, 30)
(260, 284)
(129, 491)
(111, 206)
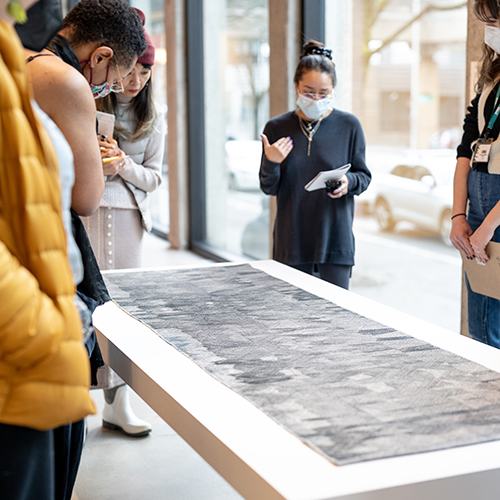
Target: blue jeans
(483, 311)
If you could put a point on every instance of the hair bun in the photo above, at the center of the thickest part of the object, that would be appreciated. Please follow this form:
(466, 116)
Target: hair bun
(320, 51)
(324, 64)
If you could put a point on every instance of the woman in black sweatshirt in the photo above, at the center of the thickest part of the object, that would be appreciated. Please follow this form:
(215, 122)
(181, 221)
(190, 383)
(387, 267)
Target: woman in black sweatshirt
(313, 230)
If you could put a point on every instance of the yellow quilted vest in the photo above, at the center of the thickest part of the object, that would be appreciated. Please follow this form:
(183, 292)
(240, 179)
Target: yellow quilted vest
(44, 368)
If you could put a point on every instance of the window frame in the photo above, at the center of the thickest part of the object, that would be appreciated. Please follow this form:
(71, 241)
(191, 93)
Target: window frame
(313, 26)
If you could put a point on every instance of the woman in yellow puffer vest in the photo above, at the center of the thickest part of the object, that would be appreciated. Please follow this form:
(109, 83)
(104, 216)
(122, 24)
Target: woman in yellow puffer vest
(44, 368)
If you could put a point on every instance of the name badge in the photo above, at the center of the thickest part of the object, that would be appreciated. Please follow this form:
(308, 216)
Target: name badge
(481, 154)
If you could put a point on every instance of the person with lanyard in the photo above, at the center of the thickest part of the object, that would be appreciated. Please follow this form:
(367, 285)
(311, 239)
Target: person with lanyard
(313, 230)
(477, 177)
(94, 51)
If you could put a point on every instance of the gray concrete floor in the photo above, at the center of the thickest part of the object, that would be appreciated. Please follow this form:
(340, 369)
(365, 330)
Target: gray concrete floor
(160, 466)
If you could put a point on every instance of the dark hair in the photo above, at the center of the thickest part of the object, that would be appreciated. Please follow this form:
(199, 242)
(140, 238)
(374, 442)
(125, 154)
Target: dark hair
(112, 23)
(487, 11)
(143, 108)
(315, 57)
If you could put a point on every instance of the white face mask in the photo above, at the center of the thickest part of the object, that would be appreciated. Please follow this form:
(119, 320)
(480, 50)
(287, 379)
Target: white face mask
(311, 108)
(492, 37)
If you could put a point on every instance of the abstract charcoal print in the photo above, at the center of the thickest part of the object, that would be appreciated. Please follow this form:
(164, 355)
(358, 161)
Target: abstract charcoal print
(350, 387)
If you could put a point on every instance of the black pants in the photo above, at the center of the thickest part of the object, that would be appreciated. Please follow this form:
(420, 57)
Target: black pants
(333, 273)
(68, 444)
(27, 468)
(39, 465)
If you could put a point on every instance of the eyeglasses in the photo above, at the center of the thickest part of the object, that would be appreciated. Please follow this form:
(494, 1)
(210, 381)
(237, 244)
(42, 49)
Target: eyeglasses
(317, 97)
(117, 85)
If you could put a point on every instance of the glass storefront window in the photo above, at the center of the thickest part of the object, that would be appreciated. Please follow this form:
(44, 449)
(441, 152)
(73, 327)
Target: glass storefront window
(403, 75)
(236, 84)
(155, 25)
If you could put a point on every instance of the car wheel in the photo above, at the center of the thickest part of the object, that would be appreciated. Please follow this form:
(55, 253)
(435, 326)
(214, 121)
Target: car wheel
(384, 215)
(445, 227)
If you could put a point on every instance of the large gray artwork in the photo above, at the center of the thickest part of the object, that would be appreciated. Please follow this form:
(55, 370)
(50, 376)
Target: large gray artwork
(350, 387)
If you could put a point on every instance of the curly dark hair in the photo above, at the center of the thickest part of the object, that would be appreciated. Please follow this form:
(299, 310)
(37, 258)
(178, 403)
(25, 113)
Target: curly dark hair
(113, 23)
(487, 11)
(315, 57)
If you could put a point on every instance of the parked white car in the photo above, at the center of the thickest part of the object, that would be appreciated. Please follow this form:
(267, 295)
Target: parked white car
(418, 189)
(243, 164)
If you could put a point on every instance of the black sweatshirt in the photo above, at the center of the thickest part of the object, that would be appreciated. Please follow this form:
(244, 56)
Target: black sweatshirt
(311, 227)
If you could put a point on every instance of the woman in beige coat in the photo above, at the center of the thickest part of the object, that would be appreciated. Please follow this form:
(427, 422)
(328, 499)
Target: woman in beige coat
(117, 228)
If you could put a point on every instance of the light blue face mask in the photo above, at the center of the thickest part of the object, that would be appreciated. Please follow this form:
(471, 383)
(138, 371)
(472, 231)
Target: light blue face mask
(313, 108)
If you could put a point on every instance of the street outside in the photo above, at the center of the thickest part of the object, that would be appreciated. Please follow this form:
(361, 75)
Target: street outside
(408, 268)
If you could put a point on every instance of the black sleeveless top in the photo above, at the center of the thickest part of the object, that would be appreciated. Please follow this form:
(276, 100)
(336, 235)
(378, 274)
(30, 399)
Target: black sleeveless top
(92, 289)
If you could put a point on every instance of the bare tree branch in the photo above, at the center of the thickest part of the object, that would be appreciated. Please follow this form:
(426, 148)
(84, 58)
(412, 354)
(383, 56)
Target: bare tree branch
(382, 5)
(427, 9)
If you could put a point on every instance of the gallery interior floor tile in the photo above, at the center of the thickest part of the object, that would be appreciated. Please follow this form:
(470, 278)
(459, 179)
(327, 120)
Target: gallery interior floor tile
(160, 466)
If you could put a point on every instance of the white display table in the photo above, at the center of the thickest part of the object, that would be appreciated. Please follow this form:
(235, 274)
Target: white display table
(261, 459)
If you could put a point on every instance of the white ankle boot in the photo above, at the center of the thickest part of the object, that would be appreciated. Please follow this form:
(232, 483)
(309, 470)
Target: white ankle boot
(119, 415)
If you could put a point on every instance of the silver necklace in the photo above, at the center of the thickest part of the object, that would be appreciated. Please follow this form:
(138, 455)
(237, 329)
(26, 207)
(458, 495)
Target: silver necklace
(308, 130)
